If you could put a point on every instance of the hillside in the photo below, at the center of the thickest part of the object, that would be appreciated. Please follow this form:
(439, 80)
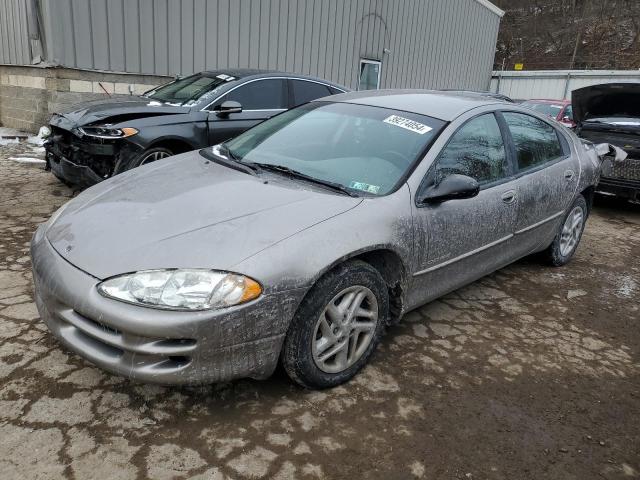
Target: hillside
(569, 34)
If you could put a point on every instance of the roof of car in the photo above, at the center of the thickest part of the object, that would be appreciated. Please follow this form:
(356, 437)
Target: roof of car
(433, 103)
(484, 93)
(243, 73)
(548, 100)
(240, 72)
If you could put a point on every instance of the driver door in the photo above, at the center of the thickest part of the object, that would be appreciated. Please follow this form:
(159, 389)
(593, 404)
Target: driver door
(260, 99)
(460, 240)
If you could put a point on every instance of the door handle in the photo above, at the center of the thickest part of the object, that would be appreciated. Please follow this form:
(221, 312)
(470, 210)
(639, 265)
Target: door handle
(568, 174)
(509, 196)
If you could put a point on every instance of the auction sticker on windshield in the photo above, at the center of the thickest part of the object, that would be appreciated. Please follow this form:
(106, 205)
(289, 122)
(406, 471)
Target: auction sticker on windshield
(407, 124)
(365, 187)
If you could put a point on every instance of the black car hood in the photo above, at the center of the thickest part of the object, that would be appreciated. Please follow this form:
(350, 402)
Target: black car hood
(606, 101)
(113, 110)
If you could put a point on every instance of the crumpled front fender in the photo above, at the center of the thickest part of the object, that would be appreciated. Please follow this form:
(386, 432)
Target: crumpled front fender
(610, 151)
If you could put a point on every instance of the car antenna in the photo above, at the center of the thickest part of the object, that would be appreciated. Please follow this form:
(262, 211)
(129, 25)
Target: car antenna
(105, 90)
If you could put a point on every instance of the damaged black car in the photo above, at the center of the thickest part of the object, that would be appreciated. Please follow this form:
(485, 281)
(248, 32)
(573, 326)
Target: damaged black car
(99, 139)
(610, 113)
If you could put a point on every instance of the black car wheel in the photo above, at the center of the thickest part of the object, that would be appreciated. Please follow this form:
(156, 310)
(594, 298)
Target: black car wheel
(569, 234)
(150, 155)
(336, 327)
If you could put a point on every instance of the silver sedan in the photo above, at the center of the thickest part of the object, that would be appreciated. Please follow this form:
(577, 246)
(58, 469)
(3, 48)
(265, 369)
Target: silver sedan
(303, 238)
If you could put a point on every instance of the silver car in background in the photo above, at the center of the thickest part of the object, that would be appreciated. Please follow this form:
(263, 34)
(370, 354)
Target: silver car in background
(300, 240)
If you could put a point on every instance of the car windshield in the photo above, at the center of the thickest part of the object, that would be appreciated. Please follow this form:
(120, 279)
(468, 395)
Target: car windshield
(362, 148)
(549, 109)
(189, 88)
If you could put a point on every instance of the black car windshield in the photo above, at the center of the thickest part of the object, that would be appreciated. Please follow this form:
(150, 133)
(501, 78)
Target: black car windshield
(362, 148)
(187, 89)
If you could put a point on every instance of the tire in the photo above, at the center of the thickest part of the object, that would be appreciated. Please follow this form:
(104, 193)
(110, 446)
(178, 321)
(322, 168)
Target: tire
(566, 242)
(148, 156)
(306, 354)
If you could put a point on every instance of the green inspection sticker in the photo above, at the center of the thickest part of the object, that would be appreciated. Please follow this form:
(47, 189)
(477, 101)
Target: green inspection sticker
(365, 187)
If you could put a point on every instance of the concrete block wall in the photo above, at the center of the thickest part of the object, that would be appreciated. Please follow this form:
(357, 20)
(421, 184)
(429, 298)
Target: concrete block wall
(23, 99)
(29, 95)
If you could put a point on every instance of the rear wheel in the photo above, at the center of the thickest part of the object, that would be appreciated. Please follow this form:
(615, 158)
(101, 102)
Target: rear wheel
(569, 234)
(336, 327)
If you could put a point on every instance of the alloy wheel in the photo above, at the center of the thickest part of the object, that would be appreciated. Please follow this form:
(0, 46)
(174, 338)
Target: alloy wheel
(571, 231)
(345, 329)
(153, 156)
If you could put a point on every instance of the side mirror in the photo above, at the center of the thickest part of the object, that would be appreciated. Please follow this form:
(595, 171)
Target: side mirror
(452, 187)
(228, 107)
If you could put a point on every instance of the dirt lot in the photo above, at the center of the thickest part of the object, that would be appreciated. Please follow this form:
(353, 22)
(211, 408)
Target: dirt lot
(531, 373)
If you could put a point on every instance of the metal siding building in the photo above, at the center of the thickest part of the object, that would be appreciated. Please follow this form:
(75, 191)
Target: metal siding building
(555, 84)
(420, 43)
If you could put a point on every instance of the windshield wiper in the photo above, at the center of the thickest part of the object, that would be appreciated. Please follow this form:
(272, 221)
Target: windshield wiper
(294, 173)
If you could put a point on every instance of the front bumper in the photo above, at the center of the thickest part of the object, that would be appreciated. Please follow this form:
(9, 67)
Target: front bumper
(621, 178)
(67, 171)
(85, 161)
(620, 187)
(158, 346)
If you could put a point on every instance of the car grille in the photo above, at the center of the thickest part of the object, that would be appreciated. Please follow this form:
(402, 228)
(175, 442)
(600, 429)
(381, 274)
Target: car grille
(627, 169)
(97, 153)
(113, 344)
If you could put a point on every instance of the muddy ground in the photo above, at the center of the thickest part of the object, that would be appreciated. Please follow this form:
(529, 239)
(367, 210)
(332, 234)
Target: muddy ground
(530, 373)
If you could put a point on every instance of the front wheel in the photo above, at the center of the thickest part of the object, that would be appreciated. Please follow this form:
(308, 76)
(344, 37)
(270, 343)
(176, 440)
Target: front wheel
(569, 234)
(150, 155)
(336, 327)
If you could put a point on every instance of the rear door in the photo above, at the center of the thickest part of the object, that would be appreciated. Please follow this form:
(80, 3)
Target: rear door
(458, 241)
(548, 177)
(260, 99)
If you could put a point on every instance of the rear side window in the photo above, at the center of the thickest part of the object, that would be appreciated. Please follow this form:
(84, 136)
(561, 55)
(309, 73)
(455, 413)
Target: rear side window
(476, 150)
(267, 94)
(304, 91)
(536, 142)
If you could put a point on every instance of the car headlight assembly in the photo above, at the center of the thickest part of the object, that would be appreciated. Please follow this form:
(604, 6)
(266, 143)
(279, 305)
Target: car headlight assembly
(107, 132)
(181, 289)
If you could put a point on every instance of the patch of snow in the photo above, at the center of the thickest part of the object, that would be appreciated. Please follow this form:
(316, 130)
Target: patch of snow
(7, 141)
(39, 139)
(26, 160)
(627, 286)
(10, 135)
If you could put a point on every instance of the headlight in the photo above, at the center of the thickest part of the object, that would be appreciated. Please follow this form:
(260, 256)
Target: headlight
(182, 289)
(106, 132)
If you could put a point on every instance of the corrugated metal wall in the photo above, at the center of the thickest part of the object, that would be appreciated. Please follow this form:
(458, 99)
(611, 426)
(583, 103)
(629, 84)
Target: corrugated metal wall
(429, 43)
(14, 36)
(555, 84)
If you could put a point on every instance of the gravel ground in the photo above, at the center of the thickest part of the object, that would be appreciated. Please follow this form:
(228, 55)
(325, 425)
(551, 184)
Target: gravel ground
(530, 373)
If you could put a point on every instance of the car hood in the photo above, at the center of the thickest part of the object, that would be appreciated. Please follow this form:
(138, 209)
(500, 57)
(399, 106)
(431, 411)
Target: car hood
(113, 110)
(607, 100)
(185, 212)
